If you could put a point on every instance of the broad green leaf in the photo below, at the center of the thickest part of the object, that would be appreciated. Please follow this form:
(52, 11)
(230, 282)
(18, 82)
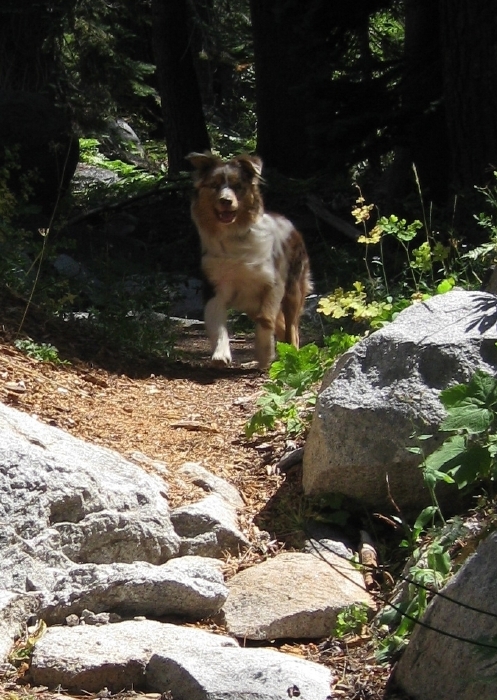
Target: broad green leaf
(448, 454)
(453, 395)
(475, 464)
(445, 285)
(424, 518)
(468, 416)
(482, 387)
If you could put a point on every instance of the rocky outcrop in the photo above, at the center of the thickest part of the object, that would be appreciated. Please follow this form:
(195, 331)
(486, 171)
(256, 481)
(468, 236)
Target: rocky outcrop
(87, 539)
(386, 388)
(190, 588)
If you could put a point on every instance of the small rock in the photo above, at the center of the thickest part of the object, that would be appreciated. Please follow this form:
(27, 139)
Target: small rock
(294, 595)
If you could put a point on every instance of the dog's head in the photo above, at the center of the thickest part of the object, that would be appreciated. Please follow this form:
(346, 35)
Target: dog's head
(226, 192)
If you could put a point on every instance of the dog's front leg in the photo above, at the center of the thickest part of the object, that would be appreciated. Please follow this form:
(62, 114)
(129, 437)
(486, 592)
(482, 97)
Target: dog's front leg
(215, 317)
(265, 324)
(264, 342)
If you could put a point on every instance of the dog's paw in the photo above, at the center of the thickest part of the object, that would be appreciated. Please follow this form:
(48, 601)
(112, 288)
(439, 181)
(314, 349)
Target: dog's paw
(218, 360)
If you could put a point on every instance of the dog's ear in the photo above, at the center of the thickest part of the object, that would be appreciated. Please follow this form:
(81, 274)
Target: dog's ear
(202, 161)
(251, 165)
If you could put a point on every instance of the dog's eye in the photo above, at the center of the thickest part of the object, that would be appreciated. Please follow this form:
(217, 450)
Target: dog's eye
(237, 187)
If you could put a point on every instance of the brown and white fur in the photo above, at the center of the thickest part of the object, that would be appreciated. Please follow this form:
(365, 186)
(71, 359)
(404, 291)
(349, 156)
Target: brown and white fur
(253, 261)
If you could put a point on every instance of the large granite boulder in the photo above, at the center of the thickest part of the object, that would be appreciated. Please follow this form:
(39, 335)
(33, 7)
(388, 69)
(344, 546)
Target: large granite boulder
(68, 507)
(386, 388)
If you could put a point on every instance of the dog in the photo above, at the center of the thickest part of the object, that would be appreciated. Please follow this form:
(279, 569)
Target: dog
(253, 261)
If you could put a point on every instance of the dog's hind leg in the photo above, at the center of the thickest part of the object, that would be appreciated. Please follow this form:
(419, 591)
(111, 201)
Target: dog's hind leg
(215, 317)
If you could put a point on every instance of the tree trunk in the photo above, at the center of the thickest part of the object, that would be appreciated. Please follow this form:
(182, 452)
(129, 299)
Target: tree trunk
(184, 122)
(423, 140)
(24, 29)
(469, 46)
(279, 69)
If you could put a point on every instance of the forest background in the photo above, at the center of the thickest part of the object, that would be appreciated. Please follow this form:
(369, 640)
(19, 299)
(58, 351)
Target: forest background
(328, 93)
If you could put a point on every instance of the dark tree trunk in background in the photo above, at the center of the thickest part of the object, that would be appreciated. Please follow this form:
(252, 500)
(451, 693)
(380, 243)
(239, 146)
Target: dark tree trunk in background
(469, 45)
(280, 71)
(184, 122)
(422, 139)
(25, 27)
(422, 98)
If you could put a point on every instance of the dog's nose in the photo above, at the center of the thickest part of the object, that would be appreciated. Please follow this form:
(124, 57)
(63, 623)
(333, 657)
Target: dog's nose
(226, 200)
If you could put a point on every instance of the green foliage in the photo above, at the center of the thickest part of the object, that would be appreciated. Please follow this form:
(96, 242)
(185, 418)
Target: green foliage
(130, 310)
(468, 454)
(290, 394)
(354, 303)
(351, 620)
(24, 646)
(90, 153)
(103, 50)
(428, 270)
(429, 569)
(486, 254)
(44, 352)
(131, 316)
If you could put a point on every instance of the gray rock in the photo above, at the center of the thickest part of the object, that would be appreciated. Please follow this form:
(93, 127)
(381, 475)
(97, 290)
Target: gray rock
(80, 518)
(188, 299)
(68, 267)
(293, 595)
(237, 674)
(15, 610)
(208, 528)
(387, 387)
(323, 538)
(81, 502)
(90, 658)
(198, 475)
(190, 587)
(435, 665)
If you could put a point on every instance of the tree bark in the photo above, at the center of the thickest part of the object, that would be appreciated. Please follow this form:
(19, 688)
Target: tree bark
(184, 122)
(469, 45)
(24, 29)
(280, 71)
(422, 139)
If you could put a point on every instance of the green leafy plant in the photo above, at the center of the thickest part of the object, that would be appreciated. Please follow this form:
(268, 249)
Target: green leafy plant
(430, 568)
(43, 352)
(372, 303)
(469, 452)
(466, 457)
(351, 620)
(290, 394)
(132, 316)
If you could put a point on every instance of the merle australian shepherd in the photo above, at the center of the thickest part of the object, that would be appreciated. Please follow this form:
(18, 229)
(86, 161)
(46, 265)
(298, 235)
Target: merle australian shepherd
(253, 261)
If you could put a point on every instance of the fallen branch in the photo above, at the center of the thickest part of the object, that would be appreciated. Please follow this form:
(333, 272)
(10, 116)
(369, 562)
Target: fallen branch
(121, 204)
(319, 210)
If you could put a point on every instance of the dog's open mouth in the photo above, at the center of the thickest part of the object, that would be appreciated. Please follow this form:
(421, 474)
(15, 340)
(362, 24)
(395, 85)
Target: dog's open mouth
(226, 217)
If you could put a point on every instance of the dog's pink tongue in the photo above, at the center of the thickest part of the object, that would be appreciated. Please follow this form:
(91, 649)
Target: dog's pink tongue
(226, 216)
